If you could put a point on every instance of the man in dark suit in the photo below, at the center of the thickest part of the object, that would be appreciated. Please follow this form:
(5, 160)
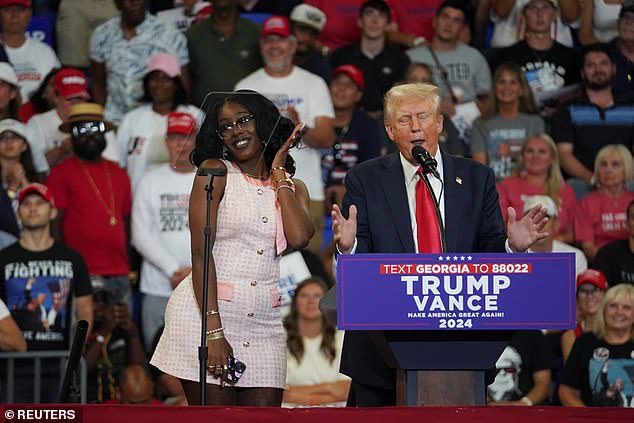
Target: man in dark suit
(381, 200)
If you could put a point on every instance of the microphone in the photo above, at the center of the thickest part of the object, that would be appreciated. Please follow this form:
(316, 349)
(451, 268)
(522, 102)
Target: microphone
(423, 158)
(210, 171)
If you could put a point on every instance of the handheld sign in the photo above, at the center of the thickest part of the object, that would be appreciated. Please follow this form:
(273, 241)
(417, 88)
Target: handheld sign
(455, 291)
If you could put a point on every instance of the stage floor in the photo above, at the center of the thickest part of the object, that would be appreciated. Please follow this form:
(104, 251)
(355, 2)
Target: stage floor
(170, 414)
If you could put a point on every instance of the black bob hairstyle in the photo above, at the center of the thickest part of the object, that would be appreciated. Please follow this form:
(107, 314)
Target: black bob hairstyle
(269, 125)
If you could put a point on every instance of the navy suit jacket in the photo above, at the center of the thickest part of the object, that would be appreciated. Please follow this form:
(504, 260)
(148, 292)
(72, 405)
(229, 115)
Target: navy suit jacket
(473, 223)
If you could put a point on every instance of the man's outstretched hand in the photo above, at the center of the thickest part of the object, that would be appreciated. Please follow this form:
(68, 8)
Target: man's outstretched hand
(528, 230)
(344, 230)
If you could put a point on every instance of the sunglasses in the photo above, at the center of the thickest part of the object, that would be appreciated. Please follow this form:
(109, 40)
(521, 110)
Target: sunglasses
(83, 128)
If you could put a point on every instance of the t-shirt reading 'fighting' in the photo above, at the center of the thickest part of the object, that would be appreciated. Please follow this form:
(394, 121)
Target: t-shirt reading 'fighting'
(38, 288)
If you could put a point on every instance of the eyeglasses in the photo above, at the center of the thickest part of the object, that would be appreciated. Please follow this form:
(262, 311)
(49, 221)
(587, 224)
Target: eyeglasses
(246, 122)
(83, 128)
(588, 291)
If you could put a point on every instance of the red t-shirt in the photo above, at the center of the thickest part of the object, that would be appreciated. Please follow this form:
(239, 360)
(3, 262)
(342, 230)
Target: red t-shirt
(341, 21)
(600, 218)
(27, 110)
(86, 226)
(414, 16)
(514, 190)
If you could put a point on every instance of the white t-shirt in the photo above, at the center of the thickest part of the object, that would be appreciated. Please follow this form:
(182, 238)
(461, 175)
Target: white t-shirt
(160, 227)
(506, 31)
(32, 61)
(309, 95)
(177, 19)
(580, 259)
(315, 367)
(141, 139)
(4, 311)
(46, 134)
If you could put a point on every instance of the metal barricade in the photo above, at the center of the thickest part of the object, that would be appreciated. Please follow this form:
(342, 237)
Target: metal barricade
(8, 382)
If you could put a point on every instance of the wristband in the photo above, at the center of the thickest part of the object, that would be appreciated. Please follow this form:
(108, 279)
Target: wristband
(526, 400)
(418, 41)
(279, 187)
(214, 336)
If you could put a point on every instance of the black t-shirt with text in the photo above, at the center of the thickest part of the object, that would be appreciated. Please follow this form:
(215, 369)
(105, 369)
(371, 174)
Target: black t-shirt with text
(38, 288)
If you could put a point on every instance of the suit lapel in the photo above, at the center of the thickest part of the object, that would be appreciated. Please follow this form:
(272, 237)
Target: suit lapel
(393, 184)
(453, 197)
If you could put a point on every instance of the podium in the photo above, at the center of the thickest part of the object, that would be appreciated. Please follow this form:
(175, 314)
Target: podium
(443, 320)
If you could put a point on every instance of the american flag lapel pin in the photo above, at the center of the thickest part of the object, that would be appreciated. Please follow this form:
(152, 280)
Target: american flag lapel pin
(459, 180)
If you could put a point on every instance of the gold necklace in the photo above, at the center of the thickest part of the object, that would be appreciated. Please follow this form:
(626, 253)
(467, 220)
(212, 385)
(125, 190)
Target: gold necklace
(261, 178)
(110, 211)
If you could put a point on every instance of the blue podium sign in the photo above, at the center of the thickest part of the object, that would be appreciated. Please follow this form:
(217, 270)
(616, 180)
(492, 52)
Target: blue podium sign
(475, 291)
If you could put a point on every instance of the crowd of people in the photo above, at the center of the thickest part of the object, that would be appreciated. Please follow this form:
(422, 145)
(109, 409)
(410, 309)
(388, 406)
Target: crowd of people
(307, 116)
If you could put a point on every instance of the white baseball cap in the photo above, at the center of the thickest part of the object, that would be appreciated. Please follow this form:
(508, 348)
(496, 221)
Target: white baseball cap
(543, 200)
(308, 15)
(7, 74)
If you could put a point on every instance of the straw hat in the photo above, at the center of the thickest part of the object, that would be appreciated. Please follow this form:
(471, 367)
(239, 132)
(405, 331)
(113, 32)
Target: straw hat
(85, 112)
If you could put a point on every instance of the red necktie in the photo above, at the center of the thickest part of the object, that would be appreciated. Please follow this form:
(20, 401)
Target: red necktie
(426, 219)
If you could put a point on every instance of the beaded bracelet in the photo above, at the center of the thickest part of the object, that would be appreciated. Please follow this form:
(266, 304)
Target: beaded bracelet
(212, 312)
(214, 336)
(279, 168)
(220, 329)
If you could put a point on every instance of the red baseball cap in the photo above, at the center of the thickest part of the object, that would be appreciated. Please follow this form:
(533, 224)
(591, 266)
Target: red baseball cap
(593, 277)
(180, 123)
(25, 3)
(34, 188)
(71, 83)
(353, 72)
(276, 25)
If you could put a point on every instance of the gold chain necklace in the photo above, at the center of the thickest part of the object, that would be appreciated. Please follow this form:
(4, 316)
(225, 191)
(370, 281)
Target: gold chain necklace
(111, 210)
(261, 178)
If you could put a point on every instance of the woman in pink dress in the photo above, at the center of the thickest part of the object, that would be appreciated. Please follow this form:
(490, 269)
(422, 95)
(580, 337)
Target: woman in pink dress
(257, 211)
(601, 216)
(539, 173)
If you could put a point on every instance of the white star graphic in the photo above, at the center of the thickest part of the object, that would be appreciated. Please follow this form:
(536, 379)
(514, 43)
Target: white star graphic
(461, 258)
(440, 258)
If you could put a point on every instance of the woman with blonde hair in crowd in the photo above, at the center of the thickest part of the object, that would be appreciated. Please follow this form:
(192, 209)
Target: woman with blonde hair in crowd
(591, 286)
(511, 116)
(538, 173)
(601, 215)
(313, 351)
(598, 370)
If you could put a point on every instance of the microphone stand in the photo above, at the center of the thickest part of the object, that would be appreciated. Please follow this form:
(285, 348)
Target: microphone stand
(441, 225)
(69, 384)
(202, 350)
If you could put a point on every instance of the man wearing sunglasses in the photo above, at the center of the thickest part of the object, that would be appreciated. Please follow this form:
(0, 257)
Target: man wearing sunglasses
(93, 198)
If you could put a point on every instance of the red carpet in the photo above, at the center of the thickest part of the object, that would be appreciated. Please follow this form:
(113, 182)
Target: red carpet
(160, 414)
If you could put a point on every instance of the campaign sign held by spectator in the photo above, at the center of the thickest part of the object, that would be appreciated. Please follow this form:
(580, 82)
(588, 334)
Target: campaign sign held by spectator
(456, 291)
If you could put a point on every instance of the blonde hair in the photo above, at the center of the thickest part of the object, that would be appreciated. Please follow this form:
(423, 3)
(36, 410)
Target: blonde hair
(400, 93)
(617, 292)
(526, 99)
(555, 180)
(619, 150)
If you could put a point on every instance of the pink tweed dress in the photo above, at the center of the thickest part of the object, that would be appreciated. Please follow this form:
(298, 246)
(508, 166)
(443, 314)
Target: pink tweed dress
(247, 268)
